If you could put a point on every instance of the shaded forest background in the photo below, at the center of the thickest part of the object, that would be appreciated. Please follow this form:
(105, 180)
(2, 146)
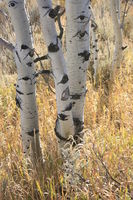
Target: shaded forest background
(106, 158)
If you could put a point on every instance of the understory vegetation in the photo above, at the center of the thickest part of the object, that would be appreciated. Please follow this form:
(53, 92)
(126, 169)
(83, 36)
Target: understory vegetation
(102, 165)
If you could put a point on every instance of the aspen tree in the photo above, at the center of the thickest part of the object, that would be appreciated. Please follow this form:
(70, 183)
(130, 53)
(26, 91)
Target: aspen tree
(64, 123)
(25, 87)
(115, 13)
(77, 55)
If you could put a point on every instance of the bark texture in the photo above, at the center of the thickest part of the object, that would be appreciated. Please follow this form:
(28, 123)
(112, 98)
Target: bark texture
(77, 56)
(25, 87)
(64, 124)
(115, 13)
(94, 43)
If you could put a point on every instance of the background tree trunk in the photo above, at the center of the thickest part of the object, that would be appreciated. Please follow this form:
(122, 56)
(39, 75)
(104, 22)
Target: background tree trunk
(115, 13)
(25, 87)
(77, 57)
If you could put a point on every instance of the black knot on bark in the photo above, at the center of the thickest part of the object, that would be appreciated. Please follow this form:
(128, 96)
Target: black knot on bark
(53, 48)
(81, 17)
(62, 117)
(54, 12)
(23, 46)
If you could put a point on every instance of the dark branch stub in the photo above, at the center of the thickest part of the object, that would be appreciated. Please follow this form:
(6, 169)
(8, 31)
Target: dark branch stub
(54, 12)
(38, 59)
(44, 71)
(52, 48)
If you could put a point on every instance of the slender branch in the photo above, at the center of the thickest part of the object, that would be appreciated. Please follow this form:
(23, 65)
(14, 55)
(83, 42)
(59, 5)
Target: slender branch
(46, 72)
(59, 23)
(124, 13)
(60, 27)
(6, 44)
(38, 59)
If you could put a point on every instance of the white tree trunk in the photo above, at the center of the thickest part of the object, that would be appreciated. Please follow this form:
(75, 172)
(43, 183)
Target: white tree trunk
(77, 57)
(25, 87)
(115, 12)
(64, 124)
(94, 43)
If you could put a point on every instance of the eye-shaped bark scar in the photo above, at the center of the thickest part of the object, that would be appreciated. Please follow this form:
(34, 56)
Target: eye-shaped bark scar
(12, 4)
(25, 78)
(23, 46)
(64, 79)
(62, 117)
(29, 64)
(65, 94)
(85, 55)
(81, 19)
(81, 34)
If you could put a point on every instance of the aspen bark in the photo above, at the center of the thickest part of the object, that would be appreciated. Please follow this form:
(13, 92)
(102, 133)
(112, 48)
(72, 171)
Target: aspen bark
(64, 124)
(115, 13)
(94, 43)
(77, 56)
(25, 87)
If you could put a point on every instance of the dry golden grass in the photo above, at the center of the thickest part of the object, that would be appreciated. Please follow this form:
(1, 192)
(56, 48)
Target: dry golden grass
(105, 161)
